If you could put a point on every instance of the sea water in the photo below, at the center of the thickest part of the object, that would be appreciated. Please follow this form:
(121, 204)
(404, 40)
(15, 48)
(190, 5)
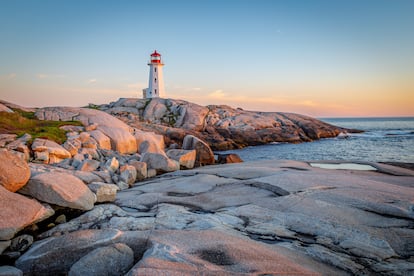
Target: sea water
(383, 140)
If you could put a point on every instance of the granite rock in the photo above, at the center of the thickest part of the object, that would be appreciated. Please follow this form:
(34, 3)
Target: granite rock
(14, 170)
(59, 188)
(115, 259)
(18, 212)
(204, 154)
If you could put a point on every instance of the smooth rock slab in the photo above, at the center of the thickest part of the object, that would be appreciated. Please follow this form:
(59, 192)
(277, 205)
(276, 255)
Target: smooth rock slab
(110, 260)
(213, 253)
(56, 255)
(62, 189)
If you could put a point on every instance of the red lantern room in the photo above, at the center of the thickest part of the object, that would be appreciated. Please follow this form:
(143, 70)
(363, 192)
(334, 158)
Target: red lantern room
(155, 57)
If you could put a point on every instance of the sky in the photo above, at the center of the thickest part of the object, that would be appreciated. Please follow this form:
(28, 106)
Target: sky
(322, 58)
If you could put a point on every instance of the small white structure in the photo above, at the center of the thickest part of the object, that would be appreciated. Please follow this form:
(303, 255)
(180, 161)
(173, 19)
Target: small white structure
(156, 81)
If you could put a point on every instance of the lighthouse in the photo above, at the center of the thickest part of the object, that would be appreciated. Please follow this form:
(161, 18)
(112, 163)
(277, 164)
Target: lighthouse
(156, 81)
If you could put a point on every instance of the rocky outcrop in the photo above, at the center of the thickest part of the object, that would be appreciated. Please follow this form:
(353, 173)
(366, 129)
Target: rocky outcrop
(149, 142)
(14, 171)
(48, 151)
(118, 132)
(221, 126)
(266, 217)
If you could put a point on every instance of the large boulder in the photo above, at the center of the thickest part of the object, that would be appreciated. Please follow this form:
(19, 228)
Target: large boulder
(186, 158)
(160, 162)
(228, 158)
(48, 151)
(14, 171)
(60, 188)
(155, 110)
(205, 155)
(175, 113)
(18, 212)
(104, 192)
(111, 165)
(72, 145)
(20, 145)
(192, 116)
(56, 255)
(149, 142)
(103, 141)
(111, 260)
(89, 165)
(140, 167)
(118, 132)
(128, 174)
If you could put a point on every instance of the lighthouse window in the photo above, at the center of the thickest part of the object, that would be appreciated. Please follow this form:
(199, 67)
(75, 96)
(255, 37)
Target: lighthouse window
(155, 91)
(155, 80)
(155, 69)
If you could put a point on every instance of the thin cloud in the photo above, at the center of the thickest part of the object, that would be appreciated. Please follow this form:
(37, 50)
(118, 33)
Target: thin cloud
(49, 76)
(218, 94)
(91, 81)
(8, 76)
(308, 103)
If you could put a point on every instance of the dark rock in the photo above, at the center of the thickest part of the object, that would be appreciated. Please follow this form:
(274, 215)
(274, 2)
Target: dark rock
(204, 154)
(21, 243)
(228, 158)
(112, 260)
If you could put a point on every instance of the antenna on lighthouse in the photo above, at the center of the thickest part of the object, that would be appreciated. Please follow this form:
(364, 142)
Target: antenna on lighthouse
(156, 81)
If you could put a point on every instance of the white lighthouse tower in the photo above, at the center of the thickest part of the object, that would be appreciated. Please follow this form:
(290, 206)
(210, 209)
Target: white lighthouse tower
(156, 81)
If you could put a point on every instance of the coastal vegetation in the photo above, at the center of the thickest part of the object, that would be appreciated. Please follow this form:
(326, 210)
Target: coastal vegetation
(20, 122)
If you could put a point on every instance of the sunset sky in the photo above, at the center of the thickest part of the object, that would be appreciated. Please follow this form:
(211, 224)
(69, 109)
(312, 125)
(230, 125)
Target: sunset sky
(320, 58)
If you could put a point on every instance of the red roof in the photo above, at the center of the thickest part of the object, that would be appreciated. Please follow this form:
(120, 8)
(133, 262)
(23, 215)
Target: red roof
(155, 54)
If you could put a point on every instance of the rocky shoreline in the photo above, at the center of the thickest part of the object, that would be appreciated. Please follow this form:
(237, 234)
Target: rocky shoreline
(115, 199)
(221, 126)
(272, 217)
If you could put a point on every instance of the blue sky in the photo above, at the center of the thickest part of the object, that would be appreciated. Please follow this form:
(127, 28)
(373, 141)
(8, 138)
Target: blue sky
(321, 58)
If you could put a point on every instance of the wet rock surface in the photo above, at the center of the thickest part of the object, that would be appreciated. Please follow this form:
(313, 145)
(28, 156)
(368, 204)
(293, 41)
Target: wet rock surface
(269, 217)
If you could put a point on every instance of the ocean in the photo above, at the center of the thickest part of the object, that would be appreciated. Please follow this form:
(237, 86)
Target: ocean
(384, 140)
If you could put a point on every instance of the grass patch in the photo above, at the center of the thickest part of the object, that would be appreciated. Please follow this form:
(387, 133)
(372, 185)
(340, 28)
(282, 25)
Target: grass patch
(21, 122)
